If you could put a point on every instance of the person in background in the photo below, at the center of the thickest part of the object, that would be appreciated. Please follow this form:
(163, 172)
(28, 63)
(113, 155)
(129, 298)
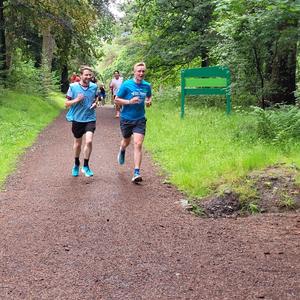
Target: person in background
(94, 79)
(134, 95)
(102, 93)
(115, 85)
(74, 78)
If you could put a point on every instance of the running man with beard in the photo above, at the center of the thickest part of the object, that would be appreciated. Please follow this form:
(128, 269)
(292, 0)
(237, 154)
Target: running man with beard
(80, 100)
(133, 95)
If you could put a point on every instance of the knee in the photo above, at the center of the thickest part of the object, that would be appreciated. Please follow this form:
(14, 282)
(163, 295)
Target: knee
(138, 144)
(125, 142)
(77, 144)
(88, 143)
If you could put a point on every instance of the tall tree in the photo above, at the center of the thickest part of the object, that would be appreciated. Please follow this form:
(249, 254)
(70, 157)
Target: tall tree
(176, 31)
(3, 65)
(258, 39)
(68, 29)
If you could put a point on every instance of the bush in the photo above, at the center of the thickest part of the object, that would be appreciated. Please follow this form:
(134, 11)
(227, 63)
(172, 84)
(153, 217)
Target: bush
(24, 77)
(278, 125)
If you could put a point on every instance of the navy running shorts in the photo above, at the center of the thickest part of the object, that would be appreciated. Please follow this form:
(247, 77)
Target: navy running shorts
(128, 127)
(80, 128)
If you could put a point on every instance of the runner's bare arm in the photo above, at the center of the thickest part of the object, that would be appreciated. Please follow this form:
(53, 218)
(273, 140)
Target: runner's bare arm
(69, 102)
(111, 87)
(148, 101)
(96, 103)
(121, 101)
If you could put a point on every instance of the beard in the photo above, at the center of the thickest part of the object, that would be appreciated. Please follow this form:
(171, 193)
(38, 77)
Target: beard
(86, 81)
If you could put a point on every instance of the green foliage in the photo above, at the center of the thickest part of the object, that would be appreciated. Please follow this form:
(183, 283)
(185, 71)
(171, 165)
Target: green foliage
(64, 32)
(280, 126)
(258, 39)
(247, 193)
(175, 31)
(124, 57)
(253, 208)
(22, 117)
(167, 37)
(24, 77)
(208, 148)
(287, 201)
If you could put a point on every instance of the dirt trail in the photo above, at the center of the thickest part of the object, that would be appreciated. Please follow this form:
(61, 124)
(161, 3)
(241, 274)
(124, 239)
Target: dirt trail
(105, 238)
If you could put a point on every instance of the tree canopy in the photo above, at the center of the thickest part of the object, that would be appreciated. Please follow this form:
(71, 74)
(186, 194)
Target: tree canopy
(60, 34)
(257, 40)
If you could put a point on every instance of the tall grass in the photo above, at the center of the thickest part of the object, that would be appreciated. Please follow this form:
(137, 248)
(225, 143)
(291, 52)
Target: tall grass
(208, 148)
(22, 117)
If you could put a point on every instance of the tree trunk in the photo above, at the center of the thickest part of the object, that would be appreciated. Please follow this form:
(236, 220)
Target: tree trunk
(260, 76)
(205, 58)
(284, 77)
(64, 82)
(48, 46)
(3, 65)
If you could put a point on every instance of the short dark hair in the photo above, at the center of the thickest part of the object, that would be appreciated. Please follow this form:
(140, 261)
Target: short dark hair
(116, 72)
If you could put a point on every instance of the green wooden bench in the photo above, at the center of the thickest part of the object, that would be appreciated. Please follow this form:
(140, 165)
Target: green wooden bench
(206, 81)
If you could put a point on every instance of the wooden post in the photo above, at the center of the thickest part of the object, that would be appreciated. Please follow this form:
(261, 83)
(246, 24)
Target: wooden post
(182, 93)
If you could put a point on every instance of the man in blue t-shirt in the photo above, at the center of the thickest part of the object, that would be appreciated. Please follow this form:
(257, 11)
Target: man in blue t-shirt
(80, 100)
(133, 95)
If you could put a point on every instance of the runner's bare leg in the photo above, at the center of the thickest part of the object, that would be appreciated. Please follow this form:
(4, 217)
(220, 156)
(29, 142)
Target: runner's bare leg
(137, 154)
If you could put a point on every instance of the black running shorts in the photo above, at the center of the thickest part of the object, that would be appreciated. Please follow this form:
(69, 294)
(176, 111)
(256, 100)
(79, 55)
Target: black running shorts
(80, 128)
(129, 127)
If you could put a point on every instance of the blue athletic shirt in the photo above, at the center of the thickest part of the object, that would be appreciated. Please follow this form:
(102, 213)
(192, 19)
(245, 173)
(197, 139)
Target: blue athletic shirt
(127, 91)
(81, 112)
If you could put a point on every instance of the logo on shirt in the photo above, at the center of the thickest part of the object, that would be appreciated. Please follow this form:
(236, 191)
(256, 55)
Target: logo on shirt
(140, 94)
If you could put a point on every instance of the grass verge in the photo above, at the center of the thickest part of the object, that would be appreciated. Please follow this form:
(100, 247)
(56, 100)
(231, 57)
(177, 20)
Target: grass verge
(22, 117)
(207, 148)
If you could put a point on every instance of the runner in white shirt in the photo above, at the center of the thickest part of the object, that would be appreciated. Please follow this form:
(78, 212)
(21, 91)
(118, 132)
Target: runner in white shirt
(115, 85)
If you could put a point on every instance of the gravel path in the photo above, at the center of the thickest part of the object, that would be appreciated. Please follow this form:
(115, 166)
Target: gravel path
(106, 238)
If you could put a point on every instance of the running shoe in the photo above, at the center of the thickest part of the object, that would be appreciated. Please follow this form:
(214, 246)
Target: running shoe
(136, 178)
(75, 171)
(121, 157)
(87, 171)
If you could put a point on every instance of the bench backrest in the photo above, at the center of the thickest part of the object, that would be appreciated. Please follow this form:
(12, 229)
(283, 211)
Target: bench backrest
(206, 81)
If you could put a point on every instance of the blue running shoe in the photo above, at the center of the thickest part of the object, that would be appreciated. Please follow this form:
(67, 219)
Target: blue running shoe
(121, 157)
(87, 171)
(75, 171)
(136, 178)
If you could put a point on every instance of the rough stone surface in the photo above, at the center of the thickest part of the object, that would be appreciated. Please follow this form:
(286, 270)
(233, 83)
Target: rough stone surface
(275, 188)
(106, 238)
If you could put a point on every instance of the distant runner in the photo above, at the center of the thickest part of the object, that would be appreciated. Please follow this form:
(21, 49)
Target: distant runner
(134, 94)
(102, 93)
(74, 78)
(115, 85)
(81, 98)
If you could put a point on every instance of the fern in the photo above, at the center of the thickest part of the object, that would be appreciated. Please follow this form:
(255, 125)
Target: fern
(278, 125)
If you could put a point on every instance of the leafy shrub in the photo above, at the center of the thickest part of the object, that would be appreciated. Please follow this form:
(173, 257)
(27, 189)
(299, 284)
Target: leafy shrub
(278, 125)
(24, 76)
(168, 94)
